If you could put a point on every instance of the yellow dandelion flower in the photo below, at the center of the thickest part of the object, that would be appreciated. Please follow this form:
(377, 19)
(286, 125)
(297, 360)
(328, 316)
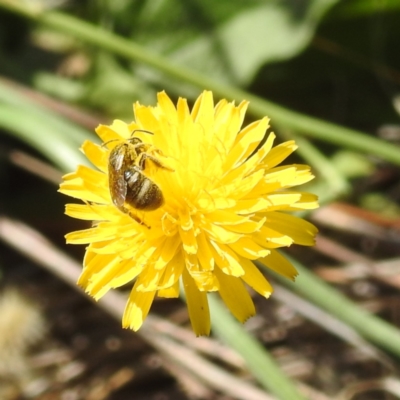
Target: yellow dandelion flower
(223, 201)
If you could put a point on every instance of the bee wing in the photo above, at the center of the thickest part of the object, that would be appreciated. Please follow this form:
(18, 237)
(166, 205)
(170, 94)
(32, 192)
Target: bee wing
(117, 158)
(119, 190)
(118, 185)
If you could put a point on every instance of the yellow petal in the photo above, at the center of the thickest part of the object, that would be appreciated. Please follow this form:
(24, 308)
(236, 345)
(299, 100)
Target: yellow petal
(121, 128)
(255, 279)
(205, 254)
(75, 188)
(247, 141)
(108, 277)
(235, 296)
(220, 234)
(247, 227)
(307, 201)
(250, 164)
(96, 154)
(90, 235)
(250, 206)
(282, 199)
(239, 189)
(137, 308)
(247, 248)
(303, 175)
(277, 154)
(270, 238)
(227, 123)
(204, 279)
(197, 303)
(81, 211)
(203, 114)
(279, 264)
(92, 211)
(107, 134)
(167, 107)
(145, 119)
(168, 249)
(189, 242)
(172, 272)
(226, 259)
(148, 280)
(171, 292)
(93, 264)
(301, 231)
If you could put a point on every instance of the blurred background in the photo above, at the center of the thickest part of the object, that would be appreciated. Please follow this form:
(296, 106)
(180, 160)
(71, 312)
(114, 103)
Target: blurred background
(327, 72)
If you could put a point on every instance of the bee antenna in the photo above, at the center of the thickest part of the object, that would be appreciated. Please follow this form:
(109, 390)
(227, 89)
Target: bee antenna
(136, 130)
(141, 130)
(109, 141)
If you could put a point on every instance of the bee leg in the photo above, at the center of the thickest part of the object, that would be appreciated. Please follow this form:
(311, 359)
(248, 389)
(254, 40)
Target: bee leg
(141, 162)
(133, 216)
(138, 220)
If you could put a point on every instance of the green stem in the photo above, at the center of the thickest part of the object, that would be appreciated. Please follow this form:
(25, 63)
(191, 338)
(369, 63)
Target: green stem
(260, 363)
(310, 126)
(325, 296)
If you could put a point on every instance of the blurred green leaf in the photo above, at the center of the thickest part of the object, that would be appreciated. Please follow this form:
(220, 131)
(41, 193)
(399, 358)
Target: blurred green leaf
(41, 135)
(351, 164)
(58, 86)
(113, 88)
(228, 40)
(380, 203)
(357, 8)
(52, 135)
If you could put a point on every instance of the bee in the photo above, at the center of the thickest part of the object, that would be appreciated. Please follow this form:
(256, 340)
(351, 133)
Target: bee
(128, 184)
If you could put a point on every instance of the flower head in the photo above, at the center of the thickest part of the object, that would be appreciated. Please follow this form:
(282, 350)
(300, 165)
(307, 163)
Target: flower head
(225, 202)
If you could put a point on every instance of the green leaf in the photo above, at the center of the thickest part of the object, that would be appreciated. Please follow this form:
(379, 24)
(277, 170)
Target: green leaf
(271, 32)
(351, 164)
(229, 40)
